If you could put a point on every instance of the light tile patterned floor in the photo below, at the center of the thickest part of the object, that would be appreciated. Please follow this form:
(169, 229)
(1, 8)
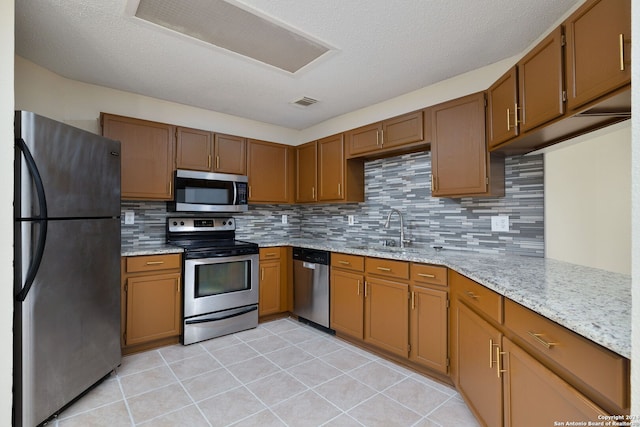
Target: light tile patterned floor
(282, 373)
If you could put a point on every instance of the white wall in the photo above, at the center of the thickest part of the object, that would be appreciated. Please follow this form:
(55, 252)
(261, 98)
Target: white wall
(635, 215)
(79, 104)
(6, 209)
(587, 192)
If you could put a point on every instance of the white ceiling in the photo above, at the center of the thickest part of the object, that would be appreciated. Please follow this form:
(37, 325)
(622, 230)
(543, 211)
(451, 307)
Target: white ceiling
(384, 48)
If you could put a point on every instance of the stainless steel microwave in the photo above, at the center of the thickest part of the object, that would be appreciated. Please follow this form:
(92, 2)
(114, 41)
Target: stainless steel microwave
(196, 191)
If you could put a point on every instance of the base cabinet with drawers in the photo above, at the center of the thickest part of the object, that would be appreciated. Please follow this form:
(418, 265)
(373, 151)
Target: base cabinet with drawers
(151, 301)
(395, 306)
(515, 367)
(273, 281)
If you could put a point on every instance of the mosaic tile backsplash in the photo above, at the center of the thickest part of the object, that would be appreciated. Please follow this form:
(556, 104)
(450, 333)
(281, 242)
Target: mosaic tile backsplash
(403, 183)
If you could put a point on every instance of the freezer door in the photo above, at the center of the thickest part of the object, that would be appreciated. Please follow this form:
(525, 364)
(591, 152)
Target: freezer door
(68, 328)
(80, 170)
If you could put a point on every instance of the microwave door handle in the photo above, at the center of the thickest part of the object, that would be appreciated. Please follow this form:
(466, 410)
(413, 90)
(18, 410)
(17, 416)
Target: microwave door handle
(235, 193)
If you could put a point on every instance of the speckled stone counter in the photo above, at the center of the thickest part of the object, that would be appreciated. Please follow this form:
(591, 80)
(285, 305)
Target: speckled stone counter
(155, 249)
(591, 302)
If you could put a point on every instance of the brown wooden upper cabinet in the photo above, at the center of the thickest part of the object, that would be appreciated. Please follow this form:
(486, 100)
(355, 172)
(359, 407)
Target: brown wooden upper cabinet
(270, 171)
(461, 165)
(147, 157)
(598, 51)
(205, 151)
(529, 95)
(324, 175)
(402, 132)
(306, 172)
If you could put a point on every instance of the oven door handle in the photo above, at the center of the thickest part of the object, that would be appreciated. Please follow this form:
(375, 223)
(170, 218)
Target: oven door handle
(223, 317)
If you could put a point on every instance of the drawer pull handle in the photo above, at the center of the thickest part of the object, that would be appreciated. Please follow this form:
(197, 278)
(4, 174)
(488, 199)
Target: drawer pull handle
(542, 341)
(155, 262)
(430, 276)
(384, 269)
(271, 254)
(344, 262)
(471, 295)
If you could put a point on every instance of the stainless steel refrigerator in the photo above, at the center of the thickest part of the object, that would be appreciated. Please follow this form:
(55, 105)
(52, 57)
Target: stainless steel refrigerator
(66, 264)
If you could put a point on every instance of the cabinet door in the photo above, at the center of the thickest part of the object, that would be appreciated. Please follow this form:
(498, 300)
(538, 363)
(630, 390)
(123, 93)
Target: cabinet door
(598, 51)
(331, 182)
(147, 157)
(386, 315)
(346, 309)
(230, 154)
(402, 130)
(536, 396)
(193, 149)
(364, 139)
(478, 380)
(502, 116)
(429, 328)
(153, 307)
(458, 147)
(306, 164)
(270, 288)
(268, 171)
(541, 82)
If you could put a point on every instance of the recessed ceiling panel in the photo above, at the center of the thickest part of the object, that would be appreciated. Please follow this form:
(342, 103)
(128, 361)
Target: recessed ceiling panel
(230, 27)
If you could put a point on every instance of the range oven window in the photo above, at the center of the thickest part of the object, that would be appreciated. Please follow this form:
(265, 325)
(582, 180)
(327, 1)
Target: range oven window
(216, 279)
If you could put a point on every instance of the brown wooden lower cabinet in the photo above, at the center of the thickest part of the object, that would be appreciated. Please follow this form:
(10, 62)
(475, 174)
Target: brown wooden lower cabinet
(479, 381)
(347, 303)
(386, 315)
(273, 281)
(428, 328)
(535, 396)
(374, 305)
(151, 301)
(514, 367)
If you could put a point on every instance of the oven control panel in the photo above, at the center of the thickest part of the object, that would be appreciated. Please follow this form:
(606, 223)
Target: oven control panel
(201, 224)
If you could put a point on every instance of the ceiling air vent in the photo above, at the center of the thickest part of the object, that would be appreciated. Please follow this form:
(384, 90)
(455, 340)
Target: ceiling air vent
(305, 101)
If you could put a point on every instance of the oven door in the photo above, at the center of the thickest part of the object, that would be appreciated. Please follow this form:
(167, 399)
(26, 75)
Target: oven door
(214, 284)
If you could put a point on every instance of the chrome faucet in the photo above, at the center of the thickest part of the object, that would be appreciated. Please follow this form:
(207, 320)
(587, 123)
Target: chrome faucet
(386, 225)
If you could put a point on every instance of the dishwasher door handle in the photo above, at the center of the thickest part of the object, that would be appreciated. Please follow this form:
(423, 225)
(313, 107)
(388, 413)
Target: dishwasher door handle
(309, 265)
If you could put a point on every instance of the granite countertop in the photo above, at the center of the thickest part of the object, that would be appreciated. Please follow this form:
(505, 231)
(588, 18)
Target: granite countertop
(591, 302)
(149, 249)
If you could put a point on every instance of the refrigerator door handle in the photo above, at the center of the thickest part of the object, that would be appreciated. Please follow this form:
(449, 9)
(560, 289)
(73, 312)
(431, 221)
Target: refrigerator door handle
(40, 219)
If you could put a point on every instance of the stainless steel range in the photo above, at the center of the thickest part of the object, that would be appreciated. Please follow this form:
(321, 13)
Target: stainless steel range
(220, 277)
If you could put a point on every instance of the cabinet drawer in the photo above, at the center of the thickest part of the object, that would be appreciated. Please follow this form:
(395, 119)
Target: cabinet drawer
(599, 368)
(431, 274)
(270, 253)
(477, 296)
(387, 268)
(347, 262)
(153, 262)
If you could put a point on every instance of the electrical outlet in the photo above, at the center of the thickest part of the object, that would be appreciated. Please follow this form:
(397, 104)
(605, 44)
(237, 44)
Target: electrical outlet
(129, 217)
(285, 219)
(351, 219)
(500, 223)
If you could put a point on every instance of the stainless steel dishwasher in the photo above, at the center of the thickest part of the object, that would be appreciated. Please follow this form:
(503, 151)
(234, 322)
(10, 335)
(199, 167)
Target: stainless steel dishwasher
(311, 285)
